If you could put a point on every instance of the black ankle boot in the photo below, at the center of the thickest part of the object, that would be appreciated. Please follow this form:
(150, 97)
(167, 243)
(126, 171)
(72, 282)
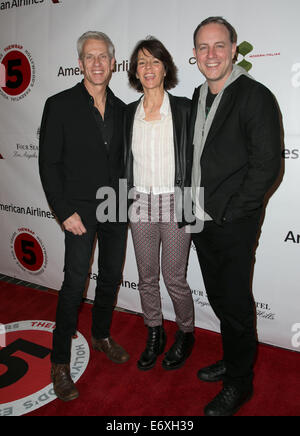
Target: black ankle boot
(155, 346)
(213, 373)
(180, 351)
(229, 401)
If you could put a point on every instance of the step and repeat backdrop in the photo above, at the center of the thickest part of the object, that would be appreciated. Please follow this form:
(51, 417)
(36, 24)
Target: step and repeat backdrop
(38, 58)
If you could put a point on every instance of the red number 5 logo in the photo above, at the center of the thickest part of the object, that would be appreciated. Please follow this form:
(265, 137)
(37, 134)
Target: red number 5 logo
(18, 72)
(16, 366)
(29, 252)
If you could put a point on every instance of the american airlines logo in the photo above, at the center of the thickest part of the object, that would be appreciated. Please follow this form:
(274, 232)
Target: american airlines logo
(20, 3)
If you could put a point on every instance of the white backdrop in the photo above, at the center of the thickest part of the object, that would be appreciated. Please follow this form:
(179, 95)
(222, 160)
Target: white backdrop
(38, 53)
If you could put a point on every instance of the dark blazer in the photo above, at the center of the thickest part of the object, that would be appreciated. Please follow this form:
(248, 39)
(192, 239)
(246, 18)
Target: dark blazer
(242, 154)
(180, 108)
(74, 162)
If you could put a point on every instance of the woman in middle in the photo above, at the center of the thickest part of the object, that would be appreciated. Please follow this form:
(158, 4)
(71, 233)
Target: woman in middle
(156, 143)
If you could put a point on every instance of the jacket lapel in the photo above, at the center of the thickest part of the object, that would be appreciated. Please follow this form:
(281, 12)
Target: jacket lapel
(194, 111)
(131, 110)
(223, 110)
(222, 113)
(176, 122)
(128, 135)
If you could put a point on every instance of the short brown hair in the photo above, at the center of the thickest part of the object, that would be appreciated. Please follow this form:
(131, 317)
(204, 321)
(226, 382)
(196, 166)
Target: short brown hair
(219, 20)
(159, 51)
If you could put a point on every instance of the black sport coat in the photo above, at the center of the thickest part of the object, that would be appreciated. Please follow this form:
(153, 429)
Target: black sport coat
(74, 162)
(242, 154)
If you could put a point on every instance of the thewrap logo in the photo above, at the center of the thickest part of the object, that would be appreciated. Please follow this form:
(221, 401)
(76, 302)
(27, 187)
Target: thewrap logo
(296, 75)
(28, 250)
(18, 71)
(25, 365)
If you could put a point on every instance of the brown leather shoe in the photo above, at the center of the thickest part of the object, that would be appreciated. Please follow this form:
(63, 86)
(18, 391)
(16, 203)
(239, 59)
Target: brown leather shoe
(112, 350)
(63, 384)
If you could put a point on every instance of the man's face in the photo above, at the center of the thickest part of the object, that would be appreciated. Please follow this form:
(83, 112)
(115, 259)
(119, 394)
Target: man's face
(96, 64)
(214, 53)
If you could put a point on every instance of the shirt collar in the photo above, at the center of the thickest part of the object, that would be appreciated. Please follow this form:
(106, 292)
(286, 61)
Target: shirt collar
(109, 92)
(164, 110)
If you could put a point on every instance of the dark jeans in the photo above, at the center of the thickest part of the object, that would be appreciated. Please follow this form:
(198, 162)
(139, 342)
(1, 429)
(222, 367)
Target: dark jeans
(226, 255)
(112, 244)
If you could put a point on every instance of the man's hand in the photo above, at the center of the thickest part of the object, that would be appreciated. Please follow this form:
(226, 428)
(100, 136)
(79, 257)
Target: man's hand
(74, 225)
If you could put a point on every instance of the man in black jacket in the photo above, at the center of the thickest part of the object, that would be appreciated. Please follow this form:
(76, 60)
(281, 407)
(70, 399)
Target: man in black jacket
(81, 150)
(236, 159)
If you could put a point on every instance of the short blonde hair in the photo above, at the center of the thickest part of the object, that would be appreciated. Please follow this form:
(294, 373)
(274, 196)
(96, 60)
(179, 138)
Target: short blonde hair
(95, 35)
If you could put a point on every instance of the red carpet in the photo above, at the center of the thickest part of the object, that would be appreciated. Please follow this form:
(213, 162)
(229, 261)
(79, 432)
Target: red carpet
(107, 389)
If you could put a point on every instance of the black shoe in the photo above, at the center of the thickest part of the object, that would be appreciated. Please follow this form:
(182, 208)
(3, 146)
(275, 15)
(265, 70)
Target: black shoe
(213, 373)
(229, 401)
(182, 348)
(155, 347)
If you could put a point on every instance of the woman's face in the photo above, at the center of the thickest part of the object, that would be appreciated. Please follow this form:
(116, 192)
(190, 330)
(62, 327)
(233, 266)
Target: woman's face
(150, 71)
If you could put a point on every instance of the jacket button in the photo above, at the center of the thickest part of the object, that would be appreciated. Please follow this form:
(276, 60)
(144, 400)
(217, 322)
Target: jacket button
(178, 182)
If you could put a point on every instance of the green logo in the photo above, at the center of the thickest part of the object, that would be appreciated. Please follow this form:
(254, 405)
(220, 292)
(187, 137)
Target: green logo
(244, 49)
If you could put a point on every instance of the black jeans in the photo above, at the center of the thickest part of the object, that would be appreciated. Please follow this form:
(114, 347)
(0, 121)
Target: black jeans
(112, 245)
(226, 255)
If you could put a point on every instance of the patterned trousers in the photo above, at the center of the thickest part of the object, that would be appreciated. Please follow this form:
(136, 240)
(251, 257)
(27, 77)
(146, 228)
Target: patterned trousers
(154, 228)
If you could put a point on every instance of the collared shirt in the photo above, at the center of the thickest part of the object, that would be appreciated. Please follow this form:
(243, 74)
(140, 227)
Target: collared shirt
(153, 151)
(105, 125)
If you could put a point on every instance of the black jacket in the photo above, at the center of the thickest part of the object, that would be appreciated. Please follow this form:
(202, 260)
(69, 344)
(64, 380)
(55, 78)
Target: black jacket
(74, 162)
(242, 154)
(180, 108)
